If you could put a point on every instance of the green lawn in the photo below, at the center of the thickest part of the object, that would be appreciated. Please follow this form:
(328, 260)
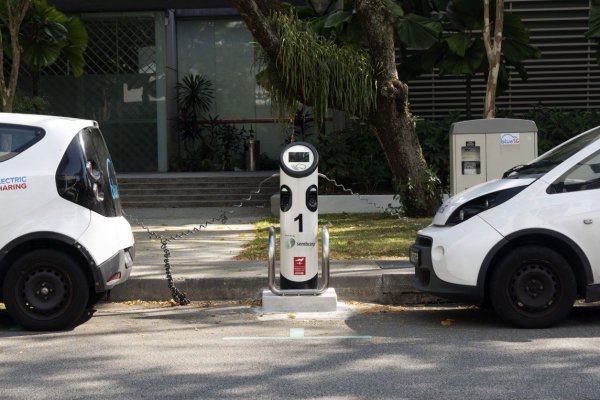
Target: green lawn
(351, 236)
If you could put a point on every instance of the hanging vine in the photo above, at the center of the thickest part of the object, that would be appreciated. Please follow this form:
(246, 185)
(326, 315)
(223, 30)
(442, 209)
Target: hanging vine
(316, 71)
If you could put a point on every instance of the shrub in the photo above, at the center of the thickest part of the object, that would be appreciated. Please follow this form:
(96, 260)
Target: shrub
(30, 105)
(353, 157)
(210, 143)
(433, 136)
(556, 125)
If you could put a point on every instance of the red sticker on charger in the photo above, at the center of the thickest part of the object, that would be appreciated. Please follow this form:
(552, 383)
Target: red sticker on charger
(299, 265)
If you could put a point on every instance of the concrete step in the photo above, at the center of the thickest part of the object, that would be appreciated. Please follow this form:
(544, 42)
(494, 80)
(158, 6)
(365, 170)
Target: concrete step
(197, 190)
(230, 197)
(181, 190)
(193, 203)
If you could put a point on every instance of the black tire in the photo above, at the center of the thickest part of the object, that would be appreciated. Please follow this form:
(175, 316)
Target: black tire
(533, 287)
(95, 298)
(45, 290)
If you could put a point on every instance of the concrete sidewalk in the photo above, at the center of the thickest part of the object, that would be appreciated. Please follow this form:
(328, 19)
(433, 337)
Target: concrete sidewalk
(203, 264)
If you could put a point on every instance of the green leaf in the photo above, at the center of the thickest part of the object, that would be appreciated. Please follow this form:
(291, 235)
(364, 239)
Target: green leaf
(78, 35)
(417, 31)
(39, 55)
(514, 28)
(594, 24)
(420, 62)
(394, 7)
(302, 11)
(353, 35)
(317, 24)
(516, 51)
(47, 33)
(337, 19)
(451, 64)
(520, 68)
(74, 50)
(458, 43)
(465, 14)
(441, 4)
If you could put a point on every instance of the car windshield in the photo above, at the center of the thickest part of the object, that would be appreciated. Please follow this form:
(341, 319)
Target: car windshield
(554, 156)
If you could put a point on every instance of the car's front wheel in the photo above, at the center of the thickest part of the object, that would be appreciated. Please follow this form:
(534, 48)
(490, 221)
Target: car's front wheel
(45, 290)
(533, 287)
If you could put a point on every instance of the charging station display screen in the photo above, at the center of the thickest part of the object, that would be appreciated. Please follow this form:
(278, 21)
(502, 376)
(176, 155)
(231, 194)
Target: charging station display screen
(303, 156)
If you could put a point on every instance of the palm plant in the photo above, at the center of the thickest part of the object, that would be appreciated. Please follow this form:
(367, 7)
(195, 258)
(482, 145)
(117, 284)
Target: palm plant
(46, 35)
(194, 99)
(194, 94)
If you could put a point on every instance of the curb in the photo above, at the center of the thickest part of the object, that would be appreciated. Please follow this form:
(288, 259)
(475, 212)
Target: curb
(389, 288)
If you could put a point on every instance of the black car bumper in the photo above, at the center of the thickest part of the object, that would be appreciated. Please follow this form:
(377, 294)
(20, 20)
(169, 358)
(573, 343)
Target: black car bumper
(426, 279)
(115, 270)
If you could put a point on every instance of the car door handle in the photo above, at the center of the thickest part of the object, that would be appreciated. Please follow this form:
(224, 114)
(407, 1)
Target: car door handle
(588, 221)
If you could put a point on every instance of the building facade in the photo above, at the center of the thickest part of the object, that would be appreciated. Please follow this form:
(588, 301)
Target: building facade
(138, 51)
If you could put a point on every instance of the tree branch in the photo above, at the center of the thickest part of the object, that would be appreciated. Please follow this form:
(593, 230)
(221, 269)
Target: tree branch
(486, 30)
(498, 26)
(375, 20)
(254, 13)
(16, 11)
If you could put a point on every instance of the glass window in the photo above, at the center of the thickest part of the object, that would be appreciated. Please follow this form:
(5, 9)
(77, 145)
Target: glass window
(585, 176)
(15, 139)
(223, 52)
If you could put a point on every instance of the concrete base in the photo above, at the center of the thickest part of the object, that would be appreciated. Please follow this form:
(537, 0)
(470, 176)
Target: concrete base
(326, 302)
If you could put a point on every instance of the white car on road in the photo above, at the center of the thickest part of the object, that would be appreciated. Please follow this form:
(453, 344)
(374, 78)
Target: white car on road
(527, 244)
(63, 239)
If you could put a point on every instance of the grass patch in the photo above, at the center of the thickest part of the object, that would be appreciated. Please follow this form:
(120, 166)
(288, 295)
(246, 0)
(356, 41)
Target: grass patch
(351, 236)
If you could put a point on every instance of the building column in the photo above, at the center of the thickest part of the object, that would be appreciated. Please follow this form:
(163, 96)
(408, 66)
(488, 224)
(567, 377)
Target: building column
(160, 24)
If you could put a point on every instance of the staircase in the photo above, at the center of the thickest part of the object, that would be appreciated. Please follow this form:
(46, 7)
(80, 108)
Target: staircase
(197, 189)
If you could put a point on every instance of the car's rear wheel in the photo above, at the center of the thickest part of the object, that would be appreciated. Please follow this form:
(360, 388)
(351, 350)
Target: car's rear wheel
(95, 298)
(533, 287)
(45, 290)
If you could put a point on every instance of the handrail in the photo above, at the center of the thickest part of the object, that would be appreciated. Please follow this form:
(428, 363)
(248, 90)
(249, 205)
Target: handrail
(299, 292)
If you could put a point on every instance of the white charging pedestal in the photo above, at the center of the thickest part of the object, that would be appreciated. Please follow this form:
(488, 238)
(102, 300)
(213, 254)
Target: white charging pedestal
(298, 215)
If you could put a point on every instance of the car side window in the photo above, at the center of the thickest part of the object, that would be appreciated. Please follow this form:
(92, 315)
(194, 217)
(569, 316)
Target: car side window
(15, 139)
(584, 176)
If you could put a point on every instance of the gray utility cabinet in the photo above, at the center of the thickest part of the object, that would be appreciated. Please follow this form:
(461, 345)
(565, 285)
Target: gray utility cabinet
(483, 149)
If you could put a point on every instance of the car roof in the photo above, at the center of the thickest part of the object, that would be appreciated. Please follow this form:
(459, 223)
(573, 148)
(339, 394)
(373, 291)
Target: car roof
(47, 122)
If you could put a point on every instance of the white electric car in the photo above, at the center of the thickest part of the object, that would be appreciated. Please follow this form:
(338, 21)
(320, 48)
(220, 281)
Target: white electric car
(527, 244)
(63, 239)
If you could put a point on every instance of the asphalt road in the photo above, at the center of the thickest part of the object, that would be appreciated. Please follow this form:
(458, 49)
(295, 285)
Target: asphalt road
(366, 352)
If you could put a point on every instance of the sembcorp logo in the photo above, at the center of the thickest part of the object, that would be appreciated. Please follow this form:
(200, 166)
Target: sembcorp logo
(291, 243)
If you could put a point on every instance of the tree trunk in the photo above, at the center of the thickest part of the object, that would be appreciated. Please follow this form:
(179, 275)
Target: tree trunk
(391, 120)
(493, 49)
(15, 12)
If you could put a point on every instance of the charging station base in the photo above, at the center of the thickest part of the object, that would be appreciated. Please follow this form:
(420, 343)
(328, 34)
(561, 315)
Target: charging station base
(326, 302)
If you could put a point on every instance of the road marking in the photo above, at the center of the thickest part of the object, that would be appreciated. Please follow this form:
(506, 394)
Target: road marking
(297, 334)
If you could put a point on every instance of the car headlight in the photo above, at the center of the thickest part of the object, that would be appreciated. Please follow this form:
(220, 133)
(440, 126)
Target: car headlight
(480, 204)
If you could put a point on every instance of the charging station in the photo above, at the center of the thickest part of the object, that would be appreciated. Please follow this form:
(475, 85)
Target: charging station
(298, 214)
(482, 149)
